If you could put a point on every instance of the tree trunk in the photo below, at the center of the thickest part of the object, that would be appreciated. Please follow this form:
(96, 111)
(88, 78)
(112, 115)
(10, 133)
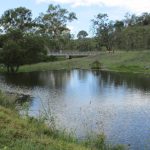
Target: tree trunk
(17, 68)
(12, 69)
(8, 68)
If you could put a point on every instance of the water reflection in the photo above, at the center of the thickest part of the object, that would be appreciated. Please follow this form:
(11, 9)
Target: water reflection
(59, 79)
(85, 101)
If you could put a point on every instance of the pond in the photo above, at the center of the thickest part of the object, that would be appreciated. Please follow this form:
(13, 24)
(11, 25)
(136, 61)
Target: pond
(89, 102)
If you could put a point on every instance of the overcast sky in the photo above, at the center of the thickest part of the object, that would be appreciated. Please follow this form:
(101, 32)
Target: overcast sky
(84, 9)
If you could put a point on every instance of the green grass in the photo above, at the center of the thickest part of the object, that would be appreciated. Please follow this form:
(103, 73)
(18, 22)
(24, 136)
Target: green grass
(29, 134)
(135, 61)
(121, 61)
(8, 100)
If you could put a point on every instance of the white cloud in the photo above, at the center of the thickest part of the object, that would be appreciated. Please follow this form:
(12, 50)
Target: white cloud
(132, 5)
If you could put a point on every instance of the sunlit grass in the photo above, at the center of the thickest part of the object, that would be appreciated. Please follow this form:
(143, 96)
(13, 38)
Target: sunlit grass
(133, 61)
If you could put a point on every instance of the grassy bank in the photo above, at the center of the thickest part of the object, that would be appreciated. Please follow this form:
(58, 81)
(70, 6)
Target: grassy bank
(135, 61)
(29, 134)
(26, 133)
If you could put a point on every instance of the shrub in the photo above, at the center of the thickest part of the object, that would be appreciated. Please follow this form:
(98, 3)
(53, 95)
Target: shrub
(96, 65)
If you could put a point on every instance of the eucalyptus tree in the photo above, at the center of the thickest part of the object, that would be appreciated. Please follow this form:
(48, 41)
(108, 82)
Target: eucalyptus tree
(130, 19)
(66, 40)
(104, 30)
(118, 36)
(53, 23)
(82, 34)
(83, 43)
(17, 18)
(144, 19)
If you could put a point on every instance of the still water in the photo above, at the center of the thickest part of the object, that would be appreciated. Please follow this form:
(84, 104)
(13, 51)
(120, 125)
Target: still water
(88, 102)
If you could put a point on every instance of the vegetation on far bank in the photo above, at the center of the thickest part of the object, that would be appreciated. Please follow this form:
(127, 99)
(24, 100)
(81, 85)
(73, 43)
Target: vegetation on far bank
(133, 62)
(26, 40)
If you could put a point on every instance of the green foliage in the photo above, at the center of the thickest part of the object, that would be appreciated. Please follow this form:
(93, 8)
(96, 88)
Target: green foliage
(52, 25)
(134, 38)
(133, 20)
(54, 21)
(26, 41)
(82, 34)
(18, 18)
(2, 40)
(19, 49)
(34, 49)
(22, 48)
(96, 65)
(86, 44)
(132, 33)
(104, 31)
(12, 56)
(109, 62)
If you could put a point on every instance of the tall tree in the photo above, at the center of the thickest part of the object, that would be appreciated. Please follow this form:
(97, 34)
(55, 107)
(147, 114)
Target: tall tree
(19, 49)
(144, 19)
(119, 25)
(104, 29)
(130, 19)
(54, 21)
(53, 24)
(18, 18)
(12, 56)
(82, 34)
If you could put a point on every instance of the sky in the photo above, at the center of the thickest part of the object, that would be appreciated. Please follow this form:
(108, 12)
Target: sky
(84, 9)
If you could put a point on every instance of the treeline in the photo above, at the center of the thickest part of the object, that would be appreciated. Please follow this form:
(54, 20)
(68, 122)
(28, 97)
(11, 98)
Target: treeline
(131, 33)
(26, 40)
